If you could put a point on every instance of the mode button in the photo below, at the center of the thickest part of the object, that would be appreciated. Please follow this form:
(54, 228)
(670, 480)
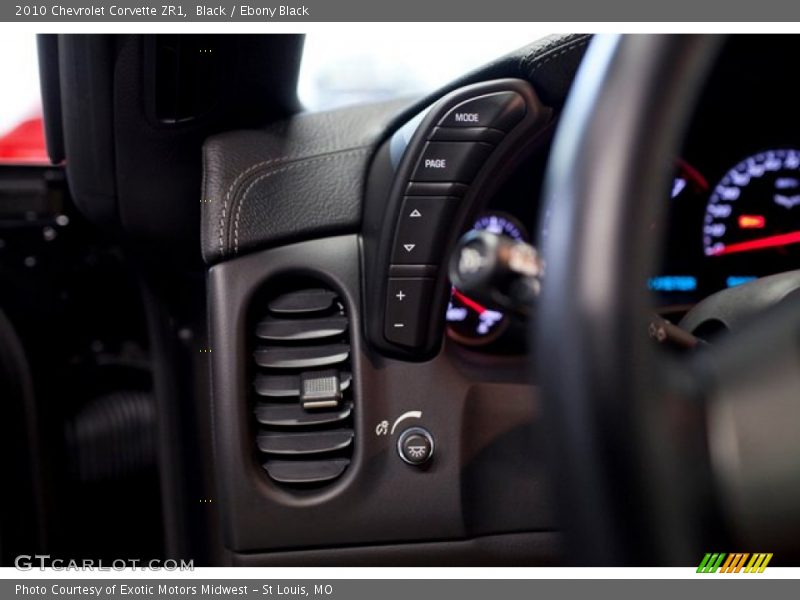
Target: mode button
(501, 110)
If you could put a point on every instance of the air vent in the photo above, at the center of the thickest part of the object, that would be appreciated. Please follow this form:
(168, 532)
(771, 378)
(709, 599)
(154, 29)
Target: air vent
(303, 385)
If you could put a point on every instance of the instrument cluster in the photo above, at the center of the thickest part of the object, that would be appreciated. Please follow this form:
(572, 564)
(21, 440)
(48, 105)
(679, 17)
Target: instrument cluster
(745, 224)
(734, 203)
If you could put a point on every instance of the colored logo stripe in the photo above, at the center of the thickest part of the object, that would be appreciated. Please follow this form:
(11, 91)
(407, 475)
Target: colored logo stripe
(733, 563)
(711, 562)
(758, 563)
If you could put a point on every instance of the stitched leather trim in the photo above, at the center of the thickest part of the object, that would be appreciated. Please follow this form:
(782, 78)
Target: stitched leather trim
(303, 162)
(261, 170)
(556, 51)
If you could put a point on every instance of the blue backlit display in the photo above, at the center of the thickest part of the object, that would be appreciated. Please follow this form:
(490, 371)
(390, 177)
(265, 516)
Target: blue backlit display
(735, 280)
(673, 283)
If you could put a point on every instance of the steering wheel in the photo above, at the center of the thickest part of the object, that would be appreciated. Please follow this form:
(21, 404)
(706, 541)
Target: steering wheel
(658, 459)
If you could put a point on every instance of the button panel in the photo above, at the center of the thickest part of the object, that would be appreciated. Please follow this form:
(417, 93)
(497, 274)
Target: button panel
(421, 230)
(437, 163)
(451, 161)
(407, 305)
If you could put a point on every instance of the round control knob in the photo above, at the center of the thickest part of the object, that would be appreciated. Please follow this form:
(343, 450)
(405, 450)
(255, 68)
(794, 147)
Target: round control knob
(495, 269)
(415, 446)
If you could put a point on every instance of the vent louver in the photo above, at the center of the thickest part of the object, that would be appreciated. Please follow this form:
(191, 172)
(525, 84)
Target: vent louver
(303, 386)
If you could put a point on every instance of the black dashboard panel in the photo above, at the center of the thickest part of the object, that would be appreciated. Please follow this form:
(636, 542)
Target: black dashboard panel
(511, 550)
(487, 475)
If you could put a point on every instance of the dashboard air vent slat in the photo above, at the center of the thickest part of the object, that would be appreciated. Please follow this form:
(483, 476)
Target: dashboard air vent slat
(296, 472)
(294, 415)
(295, 444)
(303, 302)
(301, 357)
(301, 329)
(302, 383)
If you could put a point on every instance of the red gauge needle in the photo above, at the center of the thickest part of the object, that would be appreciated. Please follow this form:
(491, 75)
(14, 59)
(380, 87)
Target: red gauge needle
(772, 241)
(469, 302)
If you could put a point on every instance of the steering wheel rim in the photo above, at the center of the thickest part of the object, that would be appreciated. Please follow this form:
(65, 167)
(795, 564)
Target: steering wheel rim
(619, 434)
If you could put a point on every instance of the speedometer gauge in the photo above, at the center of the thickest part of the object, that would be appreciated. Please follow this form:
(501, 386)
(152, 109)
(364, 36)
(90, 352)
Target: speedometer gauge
(755, 207)
(468, 321)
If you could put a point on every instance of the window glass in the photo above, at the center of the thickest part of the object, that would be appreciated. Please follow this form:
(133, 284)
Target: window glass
(339, 70)
(21, 130)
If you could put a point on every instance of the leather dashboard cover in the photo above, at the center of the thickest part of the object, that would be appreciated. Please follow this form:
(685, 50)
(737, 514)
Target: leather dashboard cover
(298, 178)
(304, 177)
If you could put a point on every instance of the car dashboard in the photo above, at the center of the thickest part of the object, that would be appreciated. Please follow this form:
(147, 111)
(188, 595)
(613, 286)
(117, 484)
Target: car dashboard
(346, 403)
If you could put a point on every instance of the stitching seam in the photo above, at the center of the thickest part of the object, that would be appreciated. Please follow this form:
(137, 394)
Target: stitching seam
(543, 60)
(233, 184)
(302, 163)
(238, 179)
